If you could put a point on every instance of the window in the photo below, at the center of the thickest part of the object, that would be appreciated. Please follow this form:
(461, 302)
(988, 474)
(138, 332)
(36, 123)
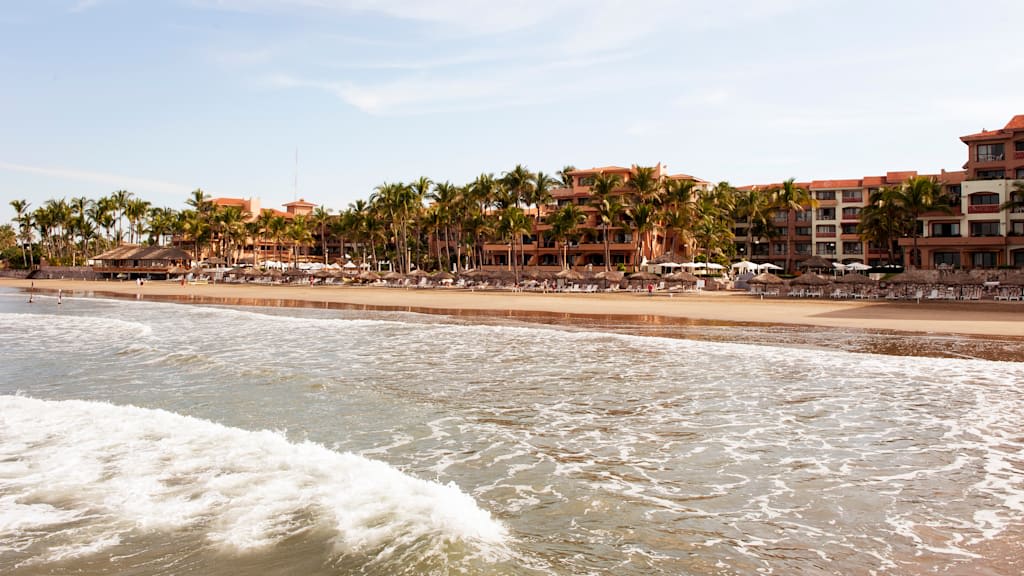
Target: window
(825, 248)
(984, 198)
(953, 194)
(586, 180)
(946, 229)
(984, 228)
(990, 152)
(951, 258)
(825, 230)
(984, 259)
(779, 248)
(803, 230)
(851, 213)
(1018, 146)
(803, 248)
(825, 195)
(849, 229)
(852, 196)
(826, 213)
(564, 201)
(583, 201)
(1019, 174)
(782, 216)
(781, 231)
(804, 216)
(991, 174)
(1017, 228)
(853, 248)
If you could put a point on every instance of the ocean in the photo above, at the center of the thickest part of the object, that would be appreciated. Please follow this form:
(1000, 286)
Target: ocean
(144, 438)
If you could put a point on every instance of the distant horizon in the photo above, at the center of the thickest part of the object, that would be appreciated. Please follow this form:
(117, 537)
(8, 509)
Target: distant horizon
(162, 98)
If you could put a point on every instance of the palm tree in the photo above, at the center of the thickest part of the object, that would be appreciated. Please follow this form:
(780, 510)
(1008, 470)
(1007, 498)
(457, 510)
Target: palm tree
(756, 208)
(565, 175)
(512, 225)
(518, 182)
(646, 187)
(644, 219)
(1016, 201)
(539, 194)
(445, 197)
(790, 197)
(918, 195)
(24, 220)
(609, 213)
(277, 229)
(119, 200)
(321, 218)
(297, 231)
(565, 223)
(883, 220)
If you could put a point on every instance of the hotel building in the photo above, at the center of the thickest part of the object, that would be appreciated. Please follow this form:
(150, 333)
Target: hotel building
(541, 250)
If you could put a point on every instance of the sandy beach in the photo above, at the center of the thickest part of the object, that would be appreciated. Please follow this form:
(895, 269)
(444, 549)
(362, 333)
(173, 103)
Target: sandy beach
(985, 319)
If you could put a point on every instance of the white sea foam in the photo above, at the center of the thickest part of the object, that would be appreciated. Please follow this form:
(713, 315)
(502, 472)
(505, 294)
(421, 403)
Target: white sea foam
(121, 469)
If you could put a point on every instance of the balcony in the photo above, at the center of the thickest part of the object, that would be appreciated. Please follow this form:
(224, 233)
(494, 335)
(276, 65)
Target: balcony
(1018, 155)
(990, 158)
(983, 209)
(826, 235)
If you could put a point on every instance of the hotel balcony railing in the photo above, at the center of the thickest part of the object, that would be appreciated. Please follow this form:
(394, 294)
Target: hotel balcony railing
(826, 252)
(983, 208)
(1018, 155)
(990, 157)
(826, 234)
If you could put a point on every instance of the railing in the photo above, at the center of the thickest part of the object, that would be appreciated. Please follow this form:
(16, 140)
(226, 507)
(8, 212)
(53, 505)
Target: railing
(983, 208)
(990, 157)
(826, 234)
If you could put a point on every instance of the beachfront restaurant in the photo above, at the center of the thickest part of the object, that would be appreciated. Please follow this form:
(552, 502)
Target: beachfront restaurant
(128, 262)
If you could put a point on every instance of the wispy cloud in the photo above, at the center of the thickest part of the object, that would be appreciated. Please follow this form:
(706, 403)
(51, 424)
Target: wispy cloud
(113, 180)
(84, 5)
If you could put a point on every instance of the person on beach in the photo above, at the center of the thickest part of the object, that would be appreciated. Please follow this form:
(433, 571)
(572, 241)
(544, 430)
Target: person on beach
(60, 296)
(650, 289)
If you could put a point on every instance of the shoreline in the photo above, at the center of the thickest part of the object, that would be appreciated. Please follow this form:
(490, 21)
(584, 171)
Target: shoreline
(989, 330)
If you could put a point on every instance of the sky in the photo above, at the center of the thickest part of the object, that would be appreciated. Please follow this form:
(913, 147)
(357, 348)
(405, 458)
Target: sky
(327, 99)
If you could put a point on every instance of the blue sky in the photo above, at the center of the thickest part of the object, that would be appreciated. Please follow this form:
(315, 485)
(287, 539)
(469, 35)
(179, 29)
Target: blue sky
(164, 96)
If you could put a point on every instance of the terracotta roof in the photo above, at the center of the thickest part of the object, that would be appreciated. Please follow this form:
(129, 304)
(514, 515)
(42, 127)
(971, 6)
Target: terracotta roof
(132, 252)
(602, 169)
(899, 177)
(228, 201)
(851, 183)
(1015, 123)
(300, 202)
(684, 177)
(954, 177)
(276, 212)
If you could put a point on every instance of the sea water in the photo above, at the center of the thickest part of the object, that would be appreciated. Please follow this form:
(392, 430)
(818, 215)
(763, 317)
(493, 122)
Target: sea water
(156, 438)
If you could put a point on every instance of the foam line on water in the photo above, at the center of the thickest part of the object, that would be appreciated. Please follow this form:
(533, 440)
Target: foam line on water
(95, 473)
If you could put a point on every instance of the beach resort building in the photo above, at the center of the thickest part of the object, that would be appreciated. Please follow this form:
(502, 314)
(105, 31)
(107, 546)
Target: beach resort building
(980, 232)
(542, 249)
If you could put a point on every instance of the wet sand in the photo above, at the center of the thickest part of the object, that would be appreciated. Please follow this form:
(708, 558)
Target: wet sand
(989, 330)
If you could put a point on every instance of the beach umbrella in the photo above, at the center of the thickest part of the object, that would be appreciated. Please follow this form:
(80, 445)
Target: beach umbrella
(839, 266)
(912, 277)
(418, 273)
(854, 279)
(857, 266)
(568, 274)
(691, 265)
(766, 278)
(714, 266)
(666, 258)
(960, 278)
(443, 276)
(744, 265)
(682, 277)
(610, 275)
(768, 266)
(393, 276)
(1016, 279)
(323, 274)
(815, 262)
(809, 280)
(368, 276)
(644, 276)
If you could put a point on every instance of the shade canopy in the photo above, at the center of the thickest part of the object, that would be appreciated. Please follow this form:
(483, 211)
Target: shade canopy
(815, 262)
(809, 280)
(766, 278)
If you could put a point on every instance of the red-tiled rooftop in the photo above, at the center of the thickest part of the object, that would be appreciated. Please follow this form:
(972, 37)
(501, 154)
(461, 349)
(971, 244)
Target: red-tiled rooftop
(602, 169)
(1015, 124)
(300, 202)
(825, 184)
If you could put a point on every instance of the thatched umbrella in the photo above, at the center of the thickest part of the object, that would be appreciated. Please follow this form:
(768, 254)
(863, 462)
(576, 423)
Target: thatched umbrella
(568, 274)
(418, 273)
(644, 276)
(912, 277)
(323, 273)
(960, 278)
(1016, 279)
(668, 258)
(443, 276)
(808, 280)
(766, 278)
(474, 273)
(610, 275)
(682, 277)
(392, 276)
(815, 262)
(216, 261)
(368, 276)
(854, 279)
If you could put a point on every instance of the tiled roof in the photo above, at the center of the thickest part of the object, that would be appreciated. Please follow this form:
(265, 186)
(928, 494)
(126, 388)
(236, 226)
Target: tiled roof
(300, 202)
(1015, 124)
(820, 184)
(899, 177)
(602, 169)
(228, 201)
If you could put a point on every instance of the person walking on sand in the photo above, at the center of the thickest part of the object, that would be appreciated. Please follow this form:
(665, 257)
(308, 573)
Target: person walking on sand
(60, 296)
(650, 289)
